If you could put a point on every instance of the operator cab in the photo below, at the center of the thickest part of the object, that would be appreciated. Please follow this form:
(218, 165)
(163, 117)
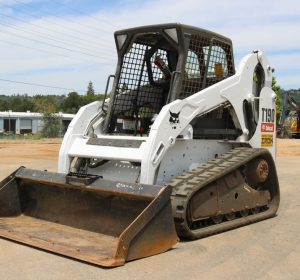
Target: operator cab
(159, 64)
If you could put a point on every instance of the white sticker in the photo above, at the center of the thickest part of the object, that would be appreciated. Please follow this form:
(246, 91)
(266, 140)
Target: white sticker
(129, 124)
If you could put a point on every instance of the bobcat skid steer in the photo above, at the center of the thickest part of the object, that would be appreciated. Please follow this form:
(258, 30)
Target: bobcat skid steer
(183, 145)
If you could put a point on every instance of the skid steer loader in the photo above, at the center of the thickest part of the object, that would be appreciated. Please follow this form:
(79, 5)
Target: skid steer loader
(183, 146)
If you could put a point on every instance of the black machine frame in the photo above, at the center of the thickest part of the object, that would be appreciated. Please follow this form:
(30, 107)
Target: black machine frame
(191, 59)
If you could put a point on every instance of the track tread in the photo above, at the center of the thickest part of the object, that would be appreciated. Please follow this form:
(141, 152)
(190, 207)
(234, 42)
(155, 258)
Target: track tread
(185, 185)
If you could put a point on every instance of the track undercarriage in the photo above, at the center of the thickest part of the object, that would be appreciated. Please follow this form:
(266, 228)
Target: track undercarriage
(235, 189)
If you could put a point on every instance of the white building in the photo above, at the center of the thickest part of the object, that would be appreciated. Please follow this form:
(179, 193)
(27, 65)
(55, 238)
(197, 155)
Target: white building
(28, 122)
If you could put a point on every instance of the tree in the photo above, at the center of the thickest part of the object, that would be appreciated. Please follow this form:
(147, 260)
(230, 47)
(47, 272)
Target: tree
(52, 125)
(72, 103)
(90, 89)
(48, 106)
(20, 103)
(45, 104)
(3, 105)
(277, 89)
(87, 99)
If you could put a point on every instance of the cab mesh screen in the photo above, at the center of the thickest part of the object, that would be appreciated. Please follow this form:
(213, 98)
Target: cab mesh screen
(138, 96)
(207, 63)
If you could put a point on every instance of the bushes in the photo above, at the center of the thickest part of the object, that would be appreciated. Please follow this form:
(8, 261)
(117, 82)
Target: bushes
(52, 125)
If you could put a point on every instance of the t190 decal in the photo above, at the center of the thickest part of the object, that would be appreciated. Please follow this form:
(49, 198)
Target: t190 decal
(267, 120)
(267, 115)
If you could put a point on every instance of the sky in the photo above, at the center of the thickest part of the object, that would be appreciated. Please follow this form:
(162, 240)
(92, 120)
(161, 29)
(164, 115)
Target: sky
(67, 43)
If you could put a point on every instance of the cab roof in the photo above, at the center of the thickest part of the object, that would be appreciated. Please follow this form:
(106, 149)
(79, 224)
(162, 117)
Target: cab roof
(181, 29)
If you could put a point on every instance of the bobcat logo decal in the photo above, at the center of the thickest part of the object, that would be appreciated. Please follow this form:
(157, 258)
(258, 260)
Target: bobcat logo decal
(174, 119)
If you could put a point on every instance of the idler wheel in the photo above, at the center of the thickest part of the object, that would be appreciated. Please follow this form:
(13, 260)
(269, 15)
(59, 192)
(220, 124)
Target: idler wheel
(257, 171)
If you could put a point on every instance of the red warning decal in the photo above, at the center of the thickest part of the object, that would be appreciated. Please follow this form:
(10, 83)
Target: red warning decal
(267, 127)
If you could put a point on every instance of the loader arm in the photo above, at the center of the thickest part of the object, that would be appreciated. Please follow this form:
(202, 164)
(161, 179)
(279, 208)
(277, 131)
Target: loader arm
(233, 90)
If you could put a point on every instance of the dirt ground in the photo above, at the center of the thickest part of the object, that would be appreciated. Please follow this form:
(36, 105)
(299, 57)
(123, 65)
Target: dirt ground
(40, 154)
(265, 250)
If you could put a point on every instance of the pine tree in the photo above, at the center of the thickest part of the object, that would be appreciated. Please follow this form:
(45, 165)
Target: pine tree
(90, 89)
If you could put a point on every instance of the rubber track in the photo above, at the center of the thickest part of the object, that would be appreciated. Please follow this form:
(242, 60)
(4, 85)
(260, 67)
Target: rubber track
(185, 185)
